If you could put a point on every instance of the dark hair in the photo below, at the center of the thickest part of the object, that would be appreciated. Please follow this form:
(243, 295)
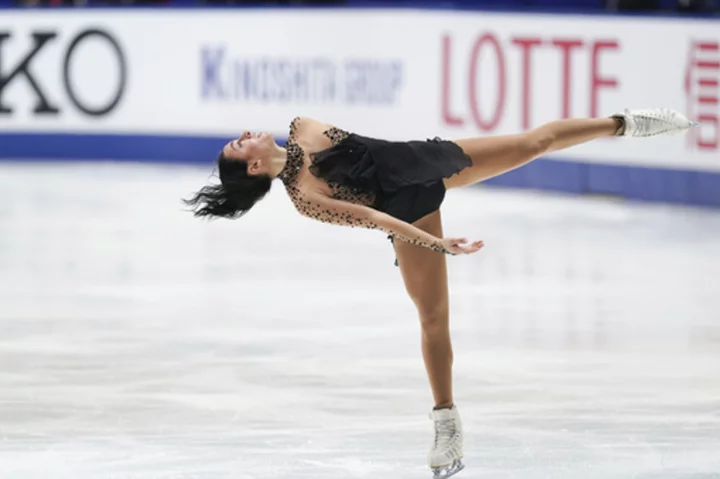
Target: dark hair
(234, 196)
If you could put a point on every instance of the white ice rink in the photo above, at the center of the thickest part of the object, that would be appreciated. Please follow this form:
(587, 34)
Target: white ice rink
(137, 342)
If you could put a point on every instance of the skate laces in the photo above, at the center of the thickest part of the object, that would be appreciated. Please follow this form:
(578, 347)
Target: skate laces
(444, 431)
(652, 124)
(649, 123)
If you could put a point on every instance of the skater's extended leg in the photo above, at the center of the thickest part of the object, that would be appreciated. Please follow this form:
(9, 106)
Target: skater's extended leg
(425, 275)
(495, 155)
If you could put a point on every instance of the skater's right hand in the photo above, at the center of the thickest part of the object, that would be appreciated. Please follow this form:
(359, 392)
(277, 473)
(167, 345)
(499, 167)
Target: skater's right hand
(460, 246)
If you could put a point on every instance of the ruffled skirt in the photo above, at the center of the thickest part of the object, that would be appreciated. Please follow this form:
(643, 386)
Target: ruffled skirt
(405, 177)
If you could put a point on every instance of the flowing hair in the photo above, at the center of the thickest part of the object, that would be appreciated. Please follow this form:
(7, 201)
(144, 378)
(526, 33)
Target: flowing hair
(234, 196)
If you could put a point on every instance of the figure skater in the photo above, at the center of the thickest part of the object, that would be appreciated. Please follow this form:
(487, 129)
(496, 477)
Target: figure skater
(343, 178)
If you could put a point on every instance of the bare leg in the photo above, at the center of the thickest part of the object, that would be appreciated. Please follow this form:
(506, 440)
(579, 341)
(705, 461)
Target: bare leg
(425, 272)
(493, 156)
(425, 275)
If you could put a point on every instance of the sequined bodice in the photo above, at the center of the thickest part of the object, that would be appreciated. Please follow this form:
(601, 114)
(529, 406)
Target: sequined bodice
(294, 164)
(342, 192)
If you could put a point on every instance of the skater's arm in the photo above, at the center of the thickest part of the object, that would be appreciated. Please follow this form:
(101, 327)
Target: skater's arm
(330, 210)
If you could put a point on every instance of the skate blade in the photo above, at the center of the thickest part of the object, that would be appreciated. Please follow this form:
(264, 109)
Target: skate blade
(448, 471)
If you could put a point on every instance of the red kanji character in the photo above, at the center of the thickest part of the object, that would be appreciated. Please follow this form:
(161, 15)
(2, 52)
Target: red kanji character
(702, 79)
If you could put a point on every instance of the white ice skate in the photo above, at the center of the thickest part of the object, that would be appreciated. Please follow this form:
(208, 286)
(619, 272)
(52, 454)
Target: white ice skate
(653, 122)
(445, 457)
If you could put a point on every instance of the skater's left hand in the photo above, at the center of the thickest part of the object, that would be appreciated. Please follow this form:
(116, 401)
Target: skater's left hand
(460, 246)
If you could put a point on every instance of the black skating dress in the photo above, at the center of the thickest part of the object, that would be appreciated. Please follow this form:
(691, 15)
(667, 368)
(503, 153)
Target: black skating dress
(402, 179)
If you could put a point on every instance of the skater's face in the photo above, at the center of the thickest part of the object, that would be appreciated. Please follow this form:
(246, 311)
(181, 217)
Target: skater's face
(255, 149)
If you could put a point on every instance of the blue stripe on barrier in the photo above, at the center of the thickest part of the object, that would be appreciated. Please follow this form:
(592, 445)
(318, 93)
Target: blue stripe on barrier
(632, 182)
(577, 177)
(155, 148)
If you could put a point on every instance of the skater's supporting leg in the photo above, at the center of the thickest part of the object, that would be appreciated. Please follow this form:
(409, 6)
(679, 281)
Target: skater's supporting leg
(425, 275)
(493, 156)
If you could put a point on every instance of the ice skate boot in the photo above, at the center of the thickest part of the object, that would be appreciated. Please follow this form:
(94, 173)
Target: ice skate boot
(445, 457)
(652, 122)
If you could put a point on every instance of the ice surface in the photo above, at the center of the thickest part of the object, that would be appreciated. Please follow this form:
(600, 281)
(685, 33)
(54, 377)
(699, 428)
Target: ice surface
(137, 342)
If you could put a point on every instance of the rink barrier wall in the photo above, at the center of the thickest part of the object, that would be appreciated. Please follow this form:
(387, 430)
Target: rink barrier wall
(110, 88)
(575, 177)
